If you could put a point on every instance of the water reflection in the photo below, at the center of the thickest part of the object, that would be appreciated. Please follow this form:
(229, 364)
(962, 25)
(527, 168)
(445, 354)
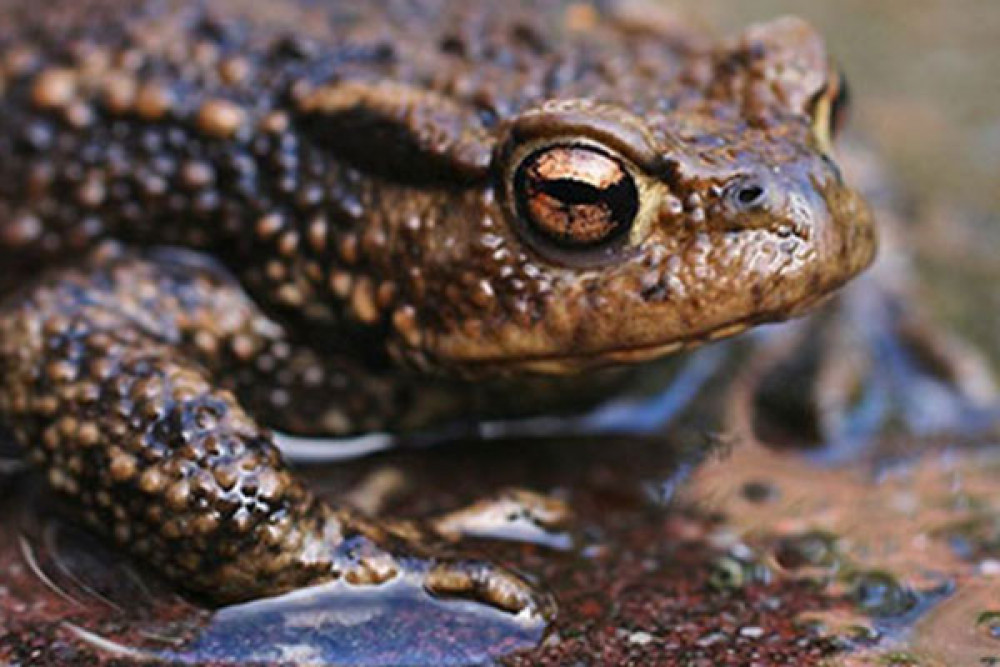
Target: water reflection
(120, 610)
(397, 624)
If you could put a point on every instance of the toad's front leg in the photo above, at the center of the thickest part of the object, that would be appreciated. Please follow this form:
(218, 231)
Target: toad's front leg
(106, 380)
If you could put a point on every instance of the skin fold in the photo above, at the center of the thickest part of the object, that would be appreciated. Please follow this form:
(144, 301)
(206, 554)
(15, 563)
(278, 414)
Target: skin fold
(221, 218)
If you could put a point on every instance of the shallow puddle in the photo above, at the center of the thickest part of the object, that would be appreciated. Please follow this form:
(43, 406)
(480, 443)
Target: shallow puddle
(61, 577)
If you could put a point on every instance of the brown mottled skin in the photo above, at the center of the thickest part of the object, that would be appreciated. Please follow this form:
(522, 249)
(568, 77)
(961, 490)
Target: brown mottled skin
(334, 217)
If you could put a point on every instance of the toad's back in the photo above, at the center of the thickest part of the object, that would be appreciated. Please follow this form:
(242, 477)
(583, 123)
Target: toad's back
(167, 121)
(496, 59)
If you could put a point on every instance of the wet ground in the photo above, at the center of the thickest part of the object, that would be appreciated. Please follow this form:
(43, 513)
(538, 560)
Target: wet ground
(735, 538)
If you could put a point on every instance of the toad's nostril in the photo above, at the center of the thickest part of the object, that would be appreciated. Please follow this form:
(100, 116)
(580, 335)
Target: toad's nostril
(750, 195)
(747, 194)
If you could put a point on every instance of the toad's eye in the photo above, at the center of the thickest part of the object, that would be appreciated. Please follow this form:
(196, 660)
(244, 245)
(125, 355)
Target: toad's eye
(576, 196)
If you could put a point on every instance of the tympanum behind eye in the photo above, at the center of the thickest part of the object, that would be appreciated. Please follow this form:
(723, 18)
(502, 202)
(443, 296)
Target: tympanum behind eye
(576, 196)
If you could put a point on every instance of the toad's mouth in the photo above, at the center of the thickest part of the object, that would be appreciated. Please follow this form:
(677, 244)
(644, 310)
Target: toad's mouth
(575, 362)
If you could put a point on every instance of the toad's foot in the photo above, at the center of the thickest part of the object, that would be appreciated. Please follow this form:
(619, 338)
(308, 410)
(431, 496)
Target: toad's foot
(108, 379)
(872, 365)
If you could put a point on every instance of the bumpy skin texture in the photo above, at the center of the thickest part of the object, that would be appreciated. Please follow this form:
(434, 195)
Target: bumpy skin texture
(111, 373)
(352, 166)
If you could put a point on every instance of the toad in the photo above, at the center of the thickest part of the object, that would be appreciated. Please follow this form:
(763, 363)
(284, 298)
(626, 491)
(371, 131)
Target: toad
(332, 218)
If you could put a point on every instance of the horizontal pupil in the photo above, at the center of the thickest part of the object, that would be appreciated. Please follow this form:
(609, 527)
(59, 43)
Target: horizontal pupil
(574, 192)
